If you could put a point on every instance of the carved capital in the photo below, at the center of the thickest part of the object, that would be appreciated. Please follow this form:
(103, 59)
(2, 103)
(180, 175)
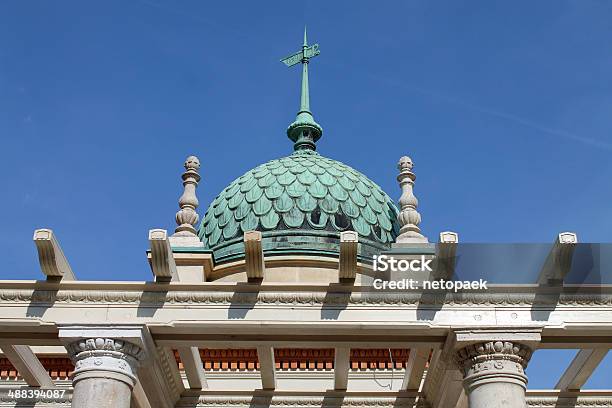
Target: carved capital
(494, 361)
(105, 357)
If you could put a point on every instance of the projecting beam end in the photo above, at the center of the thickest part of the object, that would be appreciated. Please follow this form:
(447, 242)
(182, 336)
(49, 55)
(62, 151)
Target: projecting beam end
(559, 260)
(349, 243)
(446, 255)
(162, 259)
(253, 256)
(52, 260)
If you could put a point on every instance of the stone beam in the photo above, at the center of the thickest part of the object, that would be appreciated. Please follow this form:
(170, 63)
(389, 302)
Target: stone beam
(580, 369)
(417, 361)
(267, 367)
(52, 260)
(559, 260)
(162, 259)
(348, 255)
(341, 367)
(28, 365)
(187, 315)
(161, 379)
(253, 255)
(139, 397)
(445, 256)
(444, 382)
(194, 369)
(462, 402)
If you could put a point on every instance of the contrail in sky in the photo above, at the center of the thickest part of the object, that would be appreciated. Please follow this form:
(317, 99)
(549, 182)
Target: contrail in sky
(447, 98)
(504, 115)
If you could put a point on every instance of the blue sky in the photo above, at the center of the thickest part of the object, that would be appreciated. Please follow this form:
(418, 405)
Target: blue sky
(505, 107)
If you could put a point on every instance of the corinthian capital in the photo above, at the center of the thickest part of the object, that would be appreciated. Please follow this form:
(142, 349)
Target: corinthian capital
(499, 361)
(101, 357)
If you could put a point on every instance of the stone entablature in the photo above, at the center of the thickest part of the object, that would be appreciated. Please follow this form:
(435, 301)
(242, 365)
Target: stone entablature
(534, 400)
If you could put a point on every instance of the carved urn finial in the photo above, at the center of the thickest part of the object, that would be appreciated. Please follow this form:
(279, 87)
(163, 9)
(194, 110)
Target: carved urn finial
(409, 218)
(187, 217)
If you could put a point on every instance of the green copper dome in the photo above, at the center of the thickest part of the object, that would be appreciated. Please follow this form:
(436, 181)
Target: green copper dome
(301, 203)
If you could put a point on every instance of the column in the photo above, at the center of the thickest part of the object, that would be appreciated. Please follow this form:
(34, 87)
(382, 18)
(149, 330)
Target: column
(105, 372)
(494, 374)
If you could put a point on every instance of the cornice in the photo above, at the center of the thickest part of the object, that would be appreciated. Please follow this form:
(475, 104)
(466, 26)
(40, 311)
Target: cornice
(247, 400)
(301, 401)
(579, 402)
(196, 297)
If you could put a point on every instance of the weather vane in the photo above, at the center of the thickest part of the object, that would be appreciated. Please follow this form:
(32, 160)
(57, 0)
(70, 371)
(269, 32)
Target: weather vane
(304, 131)
(307, 52)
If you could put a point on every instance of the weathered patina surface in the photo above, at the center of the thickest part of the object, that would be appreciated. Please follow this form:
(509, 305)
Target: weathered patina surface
(300, 202)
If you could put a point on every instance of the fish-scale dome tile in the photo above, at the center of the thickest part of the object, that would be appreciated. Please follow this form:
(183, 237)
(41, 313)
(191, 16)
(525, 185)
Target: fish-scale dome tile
(338, 192)
(248, 184)
(330, 205)
(224, 219)
(253, 194)
(369, 215)
(384, 222)
(327, 179)
(249, 222)
(284, 203)
(262, 206)
(301, 192)
(242, 210)
(335, 171)
(230, 230)
(293, 218)
(260, 172)
(350, 209)
(318, 220)
(363, 189)
(346, 183)
(274, 191)
(296, 190)
(286, 179)
(307, 177)
(316, 169)
(270, 220)
(234, 201)
(213, 238)
(317, 190)
(358, 198)
(306, 203)
(266, 181)
(361, 227)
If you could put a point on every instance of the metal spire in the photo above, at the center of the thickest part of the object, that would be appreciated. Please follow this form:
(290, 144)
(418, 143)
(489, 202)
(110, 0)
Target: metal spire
(304, 131)
(305, 99)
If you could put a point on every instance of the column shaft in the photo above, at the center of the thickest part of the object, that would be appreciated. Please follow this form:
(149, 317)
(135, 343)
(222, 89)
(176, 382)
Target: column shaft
(101, 393)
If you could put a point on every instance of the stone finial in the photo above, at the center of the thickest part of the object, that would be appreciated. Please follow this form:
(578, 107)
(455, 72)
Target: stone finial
(187, 217)
(409, 218)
